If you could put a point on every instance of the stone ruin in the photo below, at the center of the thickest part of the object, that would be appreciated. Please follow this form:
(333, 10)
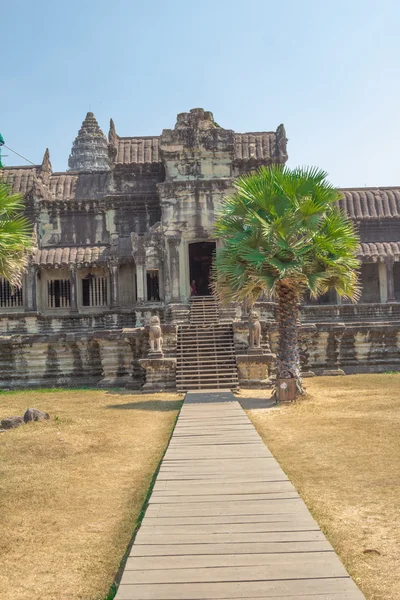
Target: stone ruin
(121, 236)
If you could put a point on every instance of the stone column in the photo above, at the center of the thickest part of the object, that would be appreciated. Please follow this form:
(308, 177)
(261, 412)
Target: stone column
(74, 288)
(140, 275)
(390, 281)
(174, 267)
(114, 284)
(29, 290)
(383, 289)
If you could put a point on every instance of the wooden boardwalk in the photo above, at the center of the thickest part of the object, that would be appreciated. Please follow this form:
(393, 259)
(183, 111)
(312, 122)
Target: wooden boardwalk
(224, 521)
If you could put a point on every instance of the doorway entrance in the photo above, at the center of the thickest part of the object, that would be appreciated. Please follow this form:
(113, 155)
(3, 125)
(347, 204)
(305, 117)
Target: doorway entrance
(200, 261)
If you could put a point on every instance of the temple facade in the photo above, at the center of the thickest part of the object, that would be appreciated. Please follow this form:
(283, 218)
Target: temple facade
(127, 233)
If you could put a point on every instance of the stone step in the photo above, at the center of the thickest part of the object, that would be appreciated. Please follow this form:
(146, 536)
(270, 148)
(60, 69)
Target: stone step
(205, 349)
(220, 360)
(201, 374)
(189, 335)
(209, 354)
(228, 381)
(202, 330)
(214, 375)
(193, 343)
(229, 385)
(205, 326)
(206, 369)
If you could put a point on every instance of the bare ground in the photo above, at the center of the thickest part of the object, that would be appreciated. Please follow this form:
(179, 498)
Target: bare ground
(71, 489)
(340, 446)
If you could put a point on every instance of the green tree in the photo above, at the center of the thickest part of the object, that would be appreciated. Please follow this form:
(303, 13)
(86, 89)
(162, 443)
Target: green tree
(283, 234)
(15, 236)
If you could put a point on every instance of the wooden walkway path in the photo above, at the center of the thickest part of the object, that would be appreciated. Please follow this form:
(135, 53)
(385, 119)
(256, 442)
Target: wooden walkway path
(224, 521)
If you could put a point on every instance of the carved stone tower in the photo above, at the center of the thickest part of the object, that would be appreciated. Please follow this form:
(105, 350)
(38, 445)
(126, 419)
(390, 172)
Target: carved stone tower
(90, 148)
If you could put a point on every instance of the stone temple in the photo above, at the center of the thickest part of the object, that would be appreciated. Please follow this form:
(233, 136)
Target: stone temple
(121, 235)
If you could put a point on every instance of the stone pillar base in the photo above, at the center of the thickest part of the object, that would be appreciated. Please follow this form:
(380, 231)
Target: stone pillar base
(308, 374)
(160, 374)
(333, 372)
(254, 370)
(178, 313)
(115, 382)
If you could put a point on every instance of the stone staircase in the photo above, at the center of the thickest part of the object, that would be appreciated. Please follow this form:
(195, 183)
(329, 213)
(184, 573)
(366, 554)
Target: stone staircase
(205, 350)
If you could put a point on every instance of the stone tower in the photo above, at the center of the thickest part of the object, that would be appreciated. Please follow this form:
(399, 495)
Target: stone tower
(90, 148)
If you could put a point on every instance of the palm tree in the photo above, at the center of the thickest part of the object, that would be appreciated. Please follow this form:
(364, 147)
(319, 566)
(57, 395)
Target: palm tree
(283, 234)
(15, 236)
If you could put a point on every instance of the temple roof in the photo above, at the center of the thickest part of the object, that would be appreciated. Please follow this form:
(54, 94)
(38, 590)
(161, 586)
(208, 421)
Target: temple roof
(63, 257)
(379, 251)
(371, 203)
(260, 145)
(138, 150)
(20, 178)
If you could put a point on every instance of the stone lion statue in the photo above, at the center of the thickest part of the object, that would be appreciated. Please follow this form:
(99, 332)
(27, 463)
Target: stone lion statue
(156, 340)
(254, 330)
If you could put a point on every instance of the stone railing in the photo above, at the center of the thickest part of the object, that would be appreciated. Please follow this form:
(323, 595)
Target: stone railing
(350, 312)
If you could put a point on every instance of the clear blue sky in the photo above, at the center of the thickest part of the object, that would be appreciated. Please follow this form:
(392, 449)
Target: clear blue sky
(329, 70)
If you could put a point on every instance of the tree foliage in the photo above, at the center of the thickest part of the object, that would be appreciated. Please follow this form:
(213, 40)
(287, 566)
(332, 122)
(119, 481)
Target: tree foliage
(15, 236)
(284, 227)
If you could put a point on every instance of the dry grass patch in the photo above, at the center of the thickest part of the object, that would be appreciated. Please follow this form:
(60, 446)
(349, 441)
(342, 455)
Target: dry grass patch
(71, 488)
(340, 446)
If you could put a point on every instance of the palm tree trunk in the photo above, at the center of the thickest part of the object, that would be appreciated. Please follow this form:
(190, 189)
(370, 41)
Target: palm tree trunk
(288, 359)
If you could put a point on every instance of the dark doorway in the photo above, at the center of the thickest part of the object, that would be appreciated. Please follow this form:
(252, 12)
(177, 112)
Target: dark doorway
(200, 261)
(153, 286)
(370, 283)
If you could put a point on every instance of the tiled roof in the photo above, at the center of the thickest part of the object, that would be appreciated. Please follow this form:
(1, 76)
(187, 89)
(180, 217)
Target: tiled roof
(62, 186)
(379, 251)
(371, 203)
(20, 178)
(63, 257)
(259, 146)
(138, 150)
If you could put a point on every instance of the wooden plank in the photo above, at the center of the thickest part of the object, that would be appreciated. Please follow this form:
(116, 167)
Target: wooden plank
(268, 507)
(201, 463)
(159, 498)
(156, 528)
(238, 573)
(213, 520)
(146, 537)
(224, 478)
(335, 589)
(269, 487)
(270, 561)
(219, 548)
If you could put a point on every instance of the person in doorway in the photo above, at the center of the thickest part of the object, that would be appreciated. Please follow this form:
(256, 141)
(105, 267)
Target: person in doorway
(193, 288)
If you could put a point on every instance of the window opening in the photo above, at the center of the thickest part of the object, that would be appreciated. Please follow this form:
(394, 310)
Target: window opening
(59, 293)
(10, 297)
(94, 291)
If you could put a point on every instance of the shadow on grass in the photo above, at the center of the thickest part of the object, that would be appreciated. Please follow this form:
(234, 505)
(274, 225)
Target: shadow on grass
(255, 403)
(154, 405)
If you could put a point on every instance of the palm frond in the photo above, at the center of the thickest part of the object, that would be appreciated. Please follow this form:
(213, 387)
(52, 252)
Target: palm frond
(284, 225)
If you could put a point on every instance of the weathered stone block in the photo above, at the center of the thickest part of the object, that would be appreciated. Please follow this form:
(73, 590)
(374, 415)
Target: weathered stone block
(11, 422)
(33, 414)
(254, 370)
(160, 374)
